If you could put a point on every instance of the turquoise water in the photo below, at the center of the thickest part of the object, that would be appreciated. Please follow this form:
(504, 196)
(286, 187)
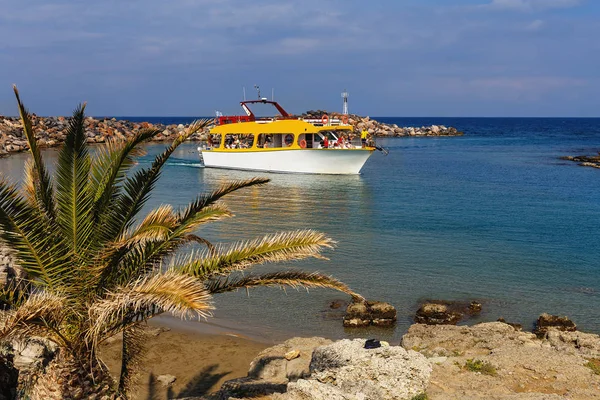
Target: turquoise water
(493, 215)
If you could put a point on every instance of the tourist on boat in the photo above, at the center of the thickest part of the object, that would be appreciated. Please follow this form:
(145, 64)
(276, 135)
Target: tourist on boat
(325, 142)
(363, 137)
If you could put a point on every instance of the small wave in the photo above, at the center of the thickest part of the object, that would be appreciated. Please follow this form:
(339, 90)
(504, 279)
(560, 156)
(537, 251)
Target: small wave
(187, 164)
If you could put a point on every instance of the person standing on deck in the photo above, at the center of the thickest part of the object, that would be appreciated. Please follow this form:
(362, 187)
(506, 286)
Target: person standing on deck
(363, 137)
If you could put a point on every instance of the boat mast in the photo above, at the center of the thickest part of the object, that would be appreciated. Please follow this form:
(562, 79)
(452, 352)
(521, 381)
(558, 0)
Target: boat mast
(345, 97)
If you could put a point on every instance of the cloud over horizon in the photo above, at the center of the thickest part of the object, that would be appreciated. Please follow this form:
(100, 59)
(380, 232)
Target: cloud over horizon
(536, 57)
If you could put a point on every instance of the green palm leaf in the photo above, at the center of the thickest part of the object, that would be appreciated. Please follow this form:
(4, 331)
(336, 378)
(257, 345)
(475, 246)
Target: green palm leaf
(41, 254)
(294, 279)
(136, 189)
(286, 246)
(42, 181)
(110, 166)
(73, 194)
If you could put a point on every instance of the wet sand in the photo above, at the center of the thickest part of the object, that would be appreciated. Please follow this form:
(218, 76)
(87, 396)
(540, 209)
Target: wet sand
(200, 356)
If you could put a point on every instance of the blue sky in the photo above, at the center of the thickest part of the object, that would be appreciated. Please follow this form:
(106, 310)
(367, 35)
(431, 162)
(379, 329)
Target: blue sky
(395, 57)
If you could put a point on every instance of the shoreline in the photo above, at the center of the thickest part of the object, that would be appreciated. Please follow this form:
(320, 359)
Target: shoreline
(200, 361)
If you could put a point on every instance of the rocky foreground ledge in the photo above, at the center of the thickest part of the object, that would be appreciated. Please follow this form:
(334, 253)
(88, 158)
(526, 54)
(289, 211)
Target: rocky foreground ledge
(485, 361)
(51, 131)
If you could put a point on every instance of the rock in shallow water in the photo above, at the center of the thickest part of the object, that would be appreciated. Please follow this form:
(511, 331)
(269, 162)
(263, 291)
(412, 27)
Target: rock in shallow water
(375, 313)
(546, 321)
(440, 312)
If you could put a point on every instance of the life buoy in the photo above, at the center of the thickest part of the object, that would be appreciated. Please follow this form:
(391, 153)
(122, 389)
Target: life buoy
(345, 119)
(303, 143)
(325, 119)
(289, 139)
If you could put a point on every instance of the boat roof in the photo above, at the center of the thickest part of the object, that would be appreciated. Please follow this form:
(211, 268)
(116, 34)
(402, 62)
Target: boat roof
(277, 126)
(275, 104)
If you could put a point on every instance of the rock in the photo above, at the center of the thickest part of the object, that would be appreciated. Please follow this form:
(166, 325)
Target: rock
(579, 343)
(436, 314)
(272, 364)
(546, 321)
(290, 355)
(359, 314)
(166, 380)
(335, 304)
(520, 362)
(517, 327)
(345, 370)
(440, 312)
(33, 352)
(474, 308)
(382, 314)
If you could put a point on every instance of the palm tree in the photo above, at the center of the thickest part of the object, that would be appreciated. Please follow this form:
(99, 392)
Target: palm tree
(96, 270)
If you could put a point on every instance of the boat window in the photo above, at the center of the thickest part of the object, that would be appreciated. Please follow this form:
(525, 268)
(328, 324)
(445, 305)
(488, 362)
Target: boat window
(264, 141)
(239, 141)
(275, 140)
(213, 141)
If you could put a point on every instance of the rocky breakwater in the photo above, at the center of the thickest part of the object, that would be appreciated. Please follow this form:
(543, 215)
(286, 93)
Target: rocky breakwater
(585, 161)
(379, 129)
(51, 131)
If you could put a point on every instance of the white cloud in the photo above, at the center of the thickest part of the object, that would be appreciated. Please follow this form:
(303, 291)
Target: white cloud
(535, 25)
(530, 5)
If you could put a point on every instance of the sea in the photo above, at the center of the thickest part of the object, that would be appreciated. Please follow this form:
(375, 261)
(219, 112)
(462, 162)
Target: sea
(493, 216)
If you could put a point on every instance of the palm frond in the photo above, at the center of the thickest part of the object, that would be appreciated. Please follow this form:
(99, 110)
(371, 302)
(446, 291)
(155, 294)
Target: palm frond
(132, 355)
(292, 279)
(160, 234)
(111, 163)
(195, 238)
(29, 182)
(285, 246)
(157, 225)
(41, 314)
(203, 201)
(73, 194)
(42, 181)
(137, 188)
(181, 295)
(41, 253)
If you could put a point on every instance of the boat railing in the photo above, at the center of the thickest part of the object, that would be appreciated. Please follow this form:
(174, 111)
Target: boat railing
(319, 121)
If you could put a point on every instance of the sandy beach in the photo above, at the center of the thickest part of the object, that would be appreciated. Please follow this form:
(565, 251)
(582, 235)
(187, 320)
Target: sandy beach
(201, 356)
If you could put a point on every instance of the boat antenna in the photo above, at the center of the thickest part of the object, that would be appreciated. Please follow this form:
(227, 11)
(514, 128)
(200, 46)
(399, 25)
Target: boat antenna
(258, 90)
(244, 90)
(345, 97)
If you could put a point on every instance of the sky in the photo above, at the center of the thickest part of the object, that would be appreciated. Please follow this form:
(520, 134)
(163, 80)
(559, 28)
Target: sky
(464, 58)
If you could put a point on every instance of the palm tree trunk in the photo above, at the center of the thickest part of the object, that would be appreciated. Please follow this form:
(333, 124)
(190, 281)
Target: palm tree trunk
(63, 378)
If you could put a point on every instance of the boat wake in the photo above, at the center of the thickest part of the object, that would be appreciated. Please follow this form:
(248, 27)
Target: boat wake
(186, 164)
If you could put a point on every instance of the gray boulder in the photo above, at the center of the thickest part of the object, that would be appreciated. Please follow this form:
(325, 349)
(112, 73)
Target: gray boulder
(346, 370)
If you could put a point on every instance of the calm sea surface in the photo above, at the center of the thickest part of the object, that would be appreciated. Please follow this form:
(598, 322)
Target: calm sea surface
(493, 215)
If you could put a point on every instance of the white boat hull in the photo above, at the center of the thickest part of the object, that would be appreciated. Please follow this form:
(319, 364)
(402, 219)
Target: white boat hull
(304, 161)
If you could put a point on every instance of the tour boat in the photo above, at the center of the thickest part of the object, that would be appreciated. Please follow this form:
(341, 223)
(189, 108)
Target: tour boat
(284, 143)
